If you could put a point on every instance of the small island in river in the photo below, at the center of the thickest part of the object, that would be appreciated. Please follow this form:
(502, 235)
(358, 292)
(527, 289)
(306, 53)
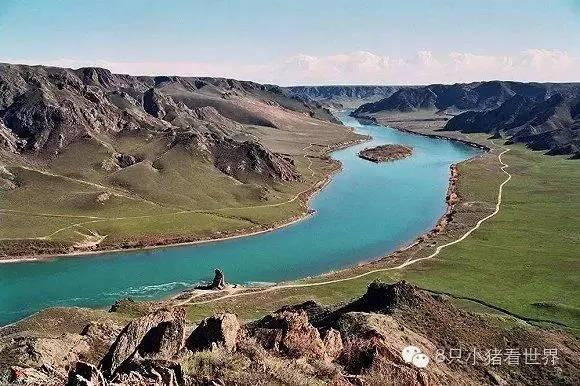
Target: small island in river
(384, 153)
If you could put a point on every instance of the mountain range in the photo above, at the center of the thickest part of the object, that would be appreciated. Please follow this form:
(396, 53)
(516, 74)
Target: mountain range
(338, 93)
(460, 97)
(552, 124)
(43, 110)
(544, 116)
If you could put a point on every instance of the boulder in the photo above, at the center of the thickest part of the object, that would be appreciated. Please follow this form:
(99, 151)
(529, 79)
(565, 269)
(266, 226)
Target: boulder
(221, 329)
(158, 335)
(31, 376)
(289, 332)
(55, 352)
(384, 298)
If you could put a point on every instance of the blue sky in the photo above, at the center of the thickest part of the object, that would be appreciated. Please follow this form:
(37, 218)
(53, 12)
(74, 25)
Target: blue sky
(300, 41)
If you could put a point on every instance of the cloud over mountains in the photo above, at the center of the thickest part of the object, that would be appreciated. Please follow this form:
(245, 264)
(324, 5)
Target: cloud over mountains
(363, 67)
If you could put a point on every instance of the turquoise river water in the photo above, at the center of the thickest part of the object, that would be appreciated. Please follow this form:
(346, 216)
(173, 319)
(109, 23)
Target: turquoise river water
(367, 211)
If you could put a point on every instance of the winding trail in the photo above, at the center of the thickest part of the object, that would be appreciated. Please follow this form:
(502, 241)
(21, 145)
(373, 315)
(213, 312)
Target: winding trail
(355, 277)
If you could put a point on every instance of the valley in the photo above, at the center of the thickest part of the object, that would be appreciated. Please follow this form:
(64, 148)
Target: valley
(460, 247)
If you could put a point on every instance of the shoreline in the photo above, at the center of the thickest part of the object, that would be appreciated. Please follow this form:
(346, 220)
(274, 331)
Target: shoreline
(476, 145)
(305, 196)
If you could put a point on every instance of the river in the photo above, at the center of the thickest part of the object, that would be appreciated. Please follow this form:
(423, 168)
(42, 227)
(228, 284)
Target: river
(367, 211)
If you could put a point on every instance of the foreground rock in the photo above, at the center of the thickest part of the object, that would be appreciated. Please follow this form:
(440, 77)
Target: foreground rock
(156, 336)
(364, 342)
(385, 153)
(85, 374)
(216, 330)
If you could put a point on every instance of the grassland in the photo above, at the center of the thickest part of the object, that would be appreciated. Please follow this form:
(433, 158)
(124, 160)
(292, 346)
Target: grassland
(524, 260)
(74, 204)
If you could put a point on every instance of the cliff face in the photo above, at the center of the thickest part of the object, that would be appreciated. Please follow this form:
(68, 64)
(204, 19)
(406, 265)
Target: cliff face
(393, 335)
(44, 110)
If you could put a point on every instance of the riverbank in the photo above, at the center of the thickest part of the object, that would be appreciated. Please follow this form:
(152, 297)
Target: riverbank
(304, 197)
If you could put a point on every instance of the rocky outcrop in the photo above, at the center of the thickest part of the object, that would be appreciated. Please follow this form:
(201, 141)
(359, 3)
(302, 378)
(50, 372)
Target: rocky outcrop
(155, 336)
(52, 352)
(244, 161)
(155, 103)
(395, 334)
(218, 330)
(385, 298)
(218, 282)
(333, 345)
(118, 161)
(151, 372)
(7, 180)
(34, 377)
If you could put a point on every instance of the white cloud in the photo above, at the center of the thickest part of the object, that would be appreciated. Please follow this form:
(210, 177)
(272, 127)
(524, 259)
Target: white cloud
(364, 67)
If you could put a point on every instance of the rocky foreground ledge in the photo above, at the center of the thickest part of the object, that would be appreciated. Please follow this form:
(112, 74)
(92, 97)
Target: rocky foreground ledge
(385, 153)
(364, 342)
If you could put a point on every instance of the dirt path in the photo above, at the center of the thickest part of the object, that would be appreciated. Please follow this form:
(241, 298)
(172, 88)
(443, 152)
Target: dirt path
(398, 267)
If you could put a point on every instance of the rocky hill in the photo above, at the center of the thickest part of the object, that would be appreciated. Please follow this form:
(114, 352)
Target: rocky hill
(465, 96)
(553, 124)
(544, 116)
(332, 92)
(120, 148)
(392, 335)
(43, 110)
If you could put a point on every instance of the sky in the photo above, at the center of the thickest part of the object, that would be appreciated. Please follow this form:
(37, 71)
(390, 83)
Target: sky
(296, 42)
